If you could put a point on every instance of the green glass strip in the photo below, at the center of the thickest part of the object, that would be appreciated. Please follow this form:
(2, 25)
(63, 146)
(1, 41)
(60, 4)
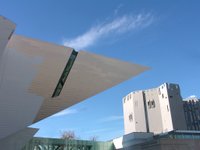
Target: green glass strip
(65, 74)
(61, 144)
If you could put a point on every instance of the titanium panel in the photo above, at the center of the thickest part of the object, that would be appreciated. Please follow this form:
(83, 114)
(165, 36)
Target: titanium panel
(30, 72)
(90, 75)
(17, 140)
(51, 62)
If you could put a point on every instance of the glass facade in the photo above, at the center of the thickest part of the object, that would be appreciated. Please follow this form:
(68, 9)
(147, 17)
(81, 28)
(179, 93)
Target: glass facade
(60, 144)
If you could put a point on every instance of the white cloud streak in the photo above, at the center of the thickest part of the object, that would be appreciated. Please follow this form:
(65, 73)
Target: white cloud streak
(116, 11)
(66, 112)
(118, 26)
(111, 118)
(192, 96)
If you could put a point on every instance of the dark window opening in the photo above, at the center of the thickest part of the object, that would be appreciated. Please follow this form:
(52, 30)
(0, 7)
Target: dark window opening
(149, 105)
(130, 117)
(11, 35)
(153, 104)
(65, 74)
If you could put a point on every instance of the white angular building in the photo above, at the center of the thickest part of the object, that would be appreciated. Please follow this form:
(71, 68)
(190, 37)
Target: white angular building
(156, 110)
(39, 79)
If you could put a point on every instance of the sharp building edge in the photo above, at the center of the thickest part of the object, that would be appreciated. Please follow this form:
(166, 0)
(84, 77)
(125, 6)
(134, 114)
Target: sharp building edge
(17, 140)
(38, 79)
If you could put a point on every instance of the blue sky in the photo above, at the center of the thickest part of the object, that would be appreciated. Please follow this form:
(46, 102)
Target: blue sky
(164, 35)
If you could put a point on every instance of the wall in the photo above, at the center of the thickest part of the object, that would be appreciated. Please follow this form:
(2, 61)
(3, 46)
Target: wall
(176, 107)
(165, 108)
(129, 119)
(154, 111)
(133, 105)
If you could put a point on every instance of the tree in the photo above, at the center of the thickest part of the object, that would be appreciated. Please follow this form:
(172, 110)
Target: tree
(93, 138)
(68, 135)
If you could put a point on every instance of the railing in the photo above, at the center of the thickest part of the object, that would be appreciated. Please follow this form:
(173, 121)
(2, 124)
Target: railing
(60, 144)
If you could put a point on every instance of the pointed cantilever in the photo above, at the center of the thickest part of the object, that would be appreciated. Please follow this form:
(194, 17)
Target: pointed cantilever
(39, 79)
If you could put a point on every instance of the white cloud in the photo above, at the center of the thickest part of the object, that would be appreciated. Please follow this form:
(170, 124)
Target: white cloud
(192, 96)
(116, 11)
(111, 118)
(66, 112)
(119, 25)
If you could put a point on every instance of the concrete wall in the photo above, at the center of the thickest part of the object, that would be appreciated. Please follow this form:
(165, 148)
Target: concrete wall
(140, 120)
(169, 105)
(176, 107)
(133, 105)
(163, 106)
(154, 111)
(129, 115)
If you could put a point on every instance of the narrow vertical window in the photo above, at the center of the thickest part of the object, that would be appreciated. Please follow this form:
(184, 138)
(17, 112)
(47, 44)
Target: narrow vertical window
(130, 117)
(149, 104)
(65, 74)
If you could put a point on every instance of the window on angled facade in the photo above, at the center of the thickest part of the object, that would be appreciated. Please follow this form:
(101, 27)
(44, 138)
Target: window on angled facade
(149, 104)
(65, 74)
(130, 117)
(153, 104)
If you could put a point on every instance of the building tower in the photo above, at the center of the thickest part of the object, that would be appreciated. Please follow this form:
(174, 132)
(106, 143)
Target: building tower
(156, 110)
(191, 108)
